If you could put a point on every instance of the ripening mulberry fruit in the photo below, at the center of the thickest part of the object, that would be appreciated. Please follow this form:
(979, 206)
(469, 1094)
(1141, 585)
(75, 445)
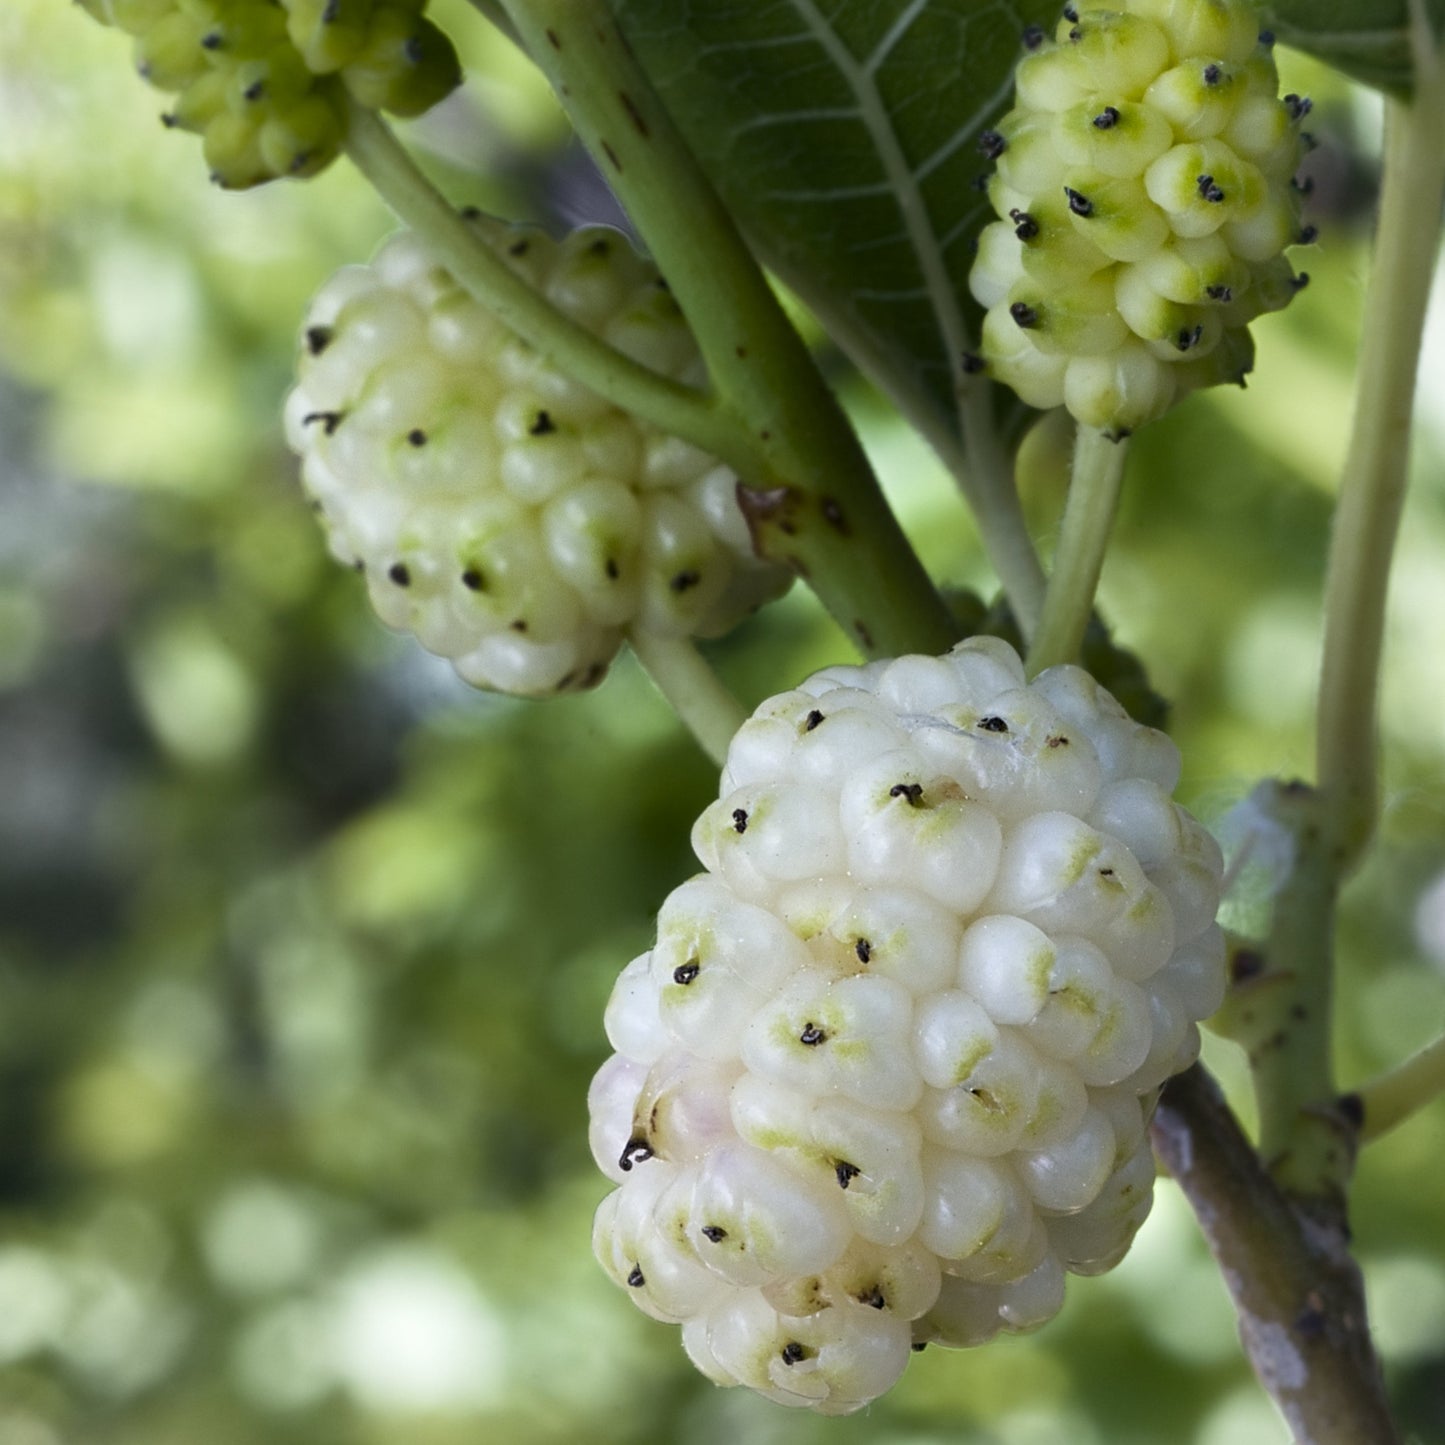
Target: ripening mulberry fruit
(509, 517)
(884, 1078)
(263, 81)
(1145, 189)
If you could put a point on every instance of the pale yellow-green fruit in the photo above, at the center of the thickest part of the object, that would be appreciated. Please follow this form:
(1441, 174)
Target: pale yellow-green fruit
(264, 82)
(1146, 197)
(885, 1076)
(511, 519)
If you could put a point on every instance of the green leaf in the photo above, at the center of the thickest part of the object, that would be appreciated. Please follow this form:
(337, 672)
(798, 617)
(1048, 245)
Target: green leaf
(1368, 39)
(843, 134)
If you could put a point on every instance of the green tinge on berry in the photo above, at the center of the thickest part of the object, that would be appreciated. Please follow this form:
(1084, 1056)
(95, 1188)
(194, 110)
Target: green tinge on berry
(885, 1076)
(510, 518)
(263, 82)
(1145, 194)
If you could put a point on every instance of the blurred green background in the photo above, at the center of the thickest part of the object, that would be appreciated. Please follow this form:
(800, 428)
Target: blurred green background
(304, 946)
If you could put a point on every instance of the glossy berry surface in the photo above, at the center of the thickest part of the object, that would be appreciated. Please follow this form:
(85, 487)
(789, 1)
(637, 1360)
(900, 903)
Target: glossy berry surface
(510, 518)
(1145, 194)
(884, 1078)
(263, 82)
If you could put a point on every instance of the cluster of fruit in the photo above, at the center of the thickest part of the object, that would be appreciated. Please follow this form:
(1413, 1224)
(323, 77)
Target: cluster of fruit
(263, 82)
(1145, 189)
(885, 1076)
(509, 517)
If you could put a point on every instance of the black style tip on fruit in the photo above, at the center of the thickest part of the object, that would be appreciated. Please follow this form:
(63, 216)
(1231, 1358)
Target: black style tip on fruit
(1025, 227)
(1107, 118)
(1025, 316)
(329, 420)
(1079, 204)
(1033, 37)
(636, 1151)
(992, 144)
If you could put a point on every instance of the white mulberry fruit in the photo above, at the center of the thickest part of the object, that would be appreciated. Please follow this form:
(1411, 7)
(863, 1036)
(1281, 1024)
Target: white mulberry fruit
(885, 1076)
(263, 81)
(1145, 189)
(510, 518)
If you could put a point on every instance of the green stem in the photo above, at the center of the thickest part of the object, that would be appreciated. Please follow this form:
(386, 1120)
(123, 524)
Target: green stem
(675, 408)
(808, 490)
(1372, 493)
(1305, 1138)
(1404, 1091)
(697, 695)
(1083, 539)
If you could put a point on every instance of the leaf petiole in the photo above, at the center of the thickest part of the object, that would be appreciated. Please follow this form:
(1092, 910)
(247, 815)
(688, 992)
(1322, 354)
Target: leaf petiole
(807, 487)
(1401, 1093)
(1372, 491)
(678, 409)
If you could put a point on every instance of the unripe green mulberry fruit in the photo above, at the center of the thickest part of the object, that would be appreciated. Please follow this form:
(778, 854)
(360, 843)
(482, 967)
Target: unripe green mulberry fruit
(509, 517)
(885, 1076)
(1145, 193)
(263, 82)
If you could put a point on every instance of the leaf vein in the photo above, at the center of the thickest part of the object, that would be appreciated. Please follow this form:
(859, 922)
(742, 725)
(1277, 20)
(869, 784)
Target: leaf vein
(902, 182)
(896, 32)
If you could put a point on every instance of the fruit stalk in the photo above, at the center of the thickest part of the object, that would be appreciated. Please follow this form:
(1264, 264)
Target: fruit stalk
(1372, 491)
(696, 693)
(1089, 513)
(1296, 1289)
(985, 474)
(807, 487)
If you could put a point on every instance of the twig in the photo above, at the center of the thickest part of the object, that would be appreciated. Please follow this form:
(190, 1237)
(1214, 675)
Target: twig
(1296, 1289)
